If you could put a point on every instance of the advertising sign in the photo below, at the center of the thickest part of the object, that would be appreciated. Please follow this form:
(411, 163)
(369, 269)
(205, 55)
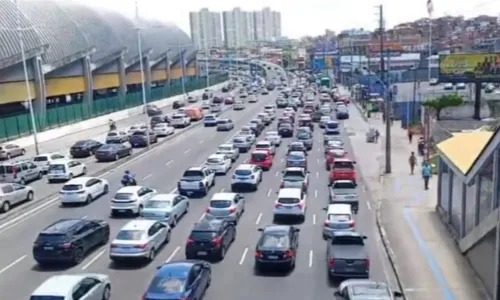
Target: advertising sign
(469, 67)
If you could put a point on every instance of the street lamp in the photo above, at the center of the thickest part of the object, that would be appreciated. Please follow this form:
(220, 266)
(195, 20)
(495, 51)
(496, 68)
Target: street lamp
(141, 64)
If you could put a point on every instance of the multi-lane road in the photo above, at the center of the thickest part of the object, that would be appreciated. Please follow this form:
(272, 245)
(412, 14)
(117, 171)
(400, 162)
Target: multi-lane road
(233, 277)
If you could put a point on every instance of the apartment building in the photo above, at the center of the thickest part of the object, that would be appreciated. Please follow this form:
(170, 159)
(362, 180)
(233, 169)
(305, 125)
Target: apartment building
(238, 28)
(267, 24)
(206, 29)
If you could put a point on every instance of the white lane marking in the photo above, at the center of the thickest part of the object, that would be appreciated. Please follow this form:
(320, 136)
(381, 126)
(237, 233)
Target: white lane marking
(314, 219)
(368, 205)
(187, 151)
(94, 259)
(85, 217)
(310, 259)
(245, 161)
(168, 163)
(364, 189)
(243, 256)
(269, 192)
(318, 161)
(31, 213)
(147, 177)
(173, 191)
(282, 160)
(222, 190)
(315, 193)
(6, 268)
(201, 142)
(258, 219)
(202, 216)
(277, 174)
(319, 149)
(173, 254)
(317, 174)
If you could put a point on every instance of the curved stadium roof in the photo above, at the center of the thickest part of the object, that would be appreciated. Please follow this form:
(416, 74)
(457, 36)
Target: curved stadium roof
(63, 29)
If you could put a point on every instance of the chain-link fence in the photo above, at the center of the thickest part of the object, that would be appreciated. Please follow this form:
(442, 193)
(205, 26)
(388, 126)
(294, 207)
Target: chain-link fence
(12, 127)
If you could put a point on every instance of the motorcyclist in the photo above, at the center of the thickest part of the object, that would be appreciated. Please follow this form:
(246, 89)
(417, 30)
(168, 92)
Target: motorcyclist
(128, 178)
(112, 125)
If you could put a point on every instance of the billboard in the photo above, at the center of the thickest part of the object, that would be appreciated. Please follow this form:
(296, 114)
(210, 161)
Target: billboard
(469, 67)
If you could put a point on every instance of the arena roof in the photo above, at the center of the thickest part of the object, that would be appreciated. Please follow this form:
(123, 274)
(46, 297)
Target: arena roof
(64, 31)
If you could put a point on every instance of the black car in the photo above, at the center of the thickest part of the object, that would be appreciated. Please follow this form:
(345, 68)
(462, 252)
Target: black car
(270, 87)
(157, 120)
(255, 129)
(111, 152)
(277, 247)
(285, 130)
(225, 90)
(140, 138)
(210, 239)
(69, 240)
(153, 110)
(84, 148)
(178, 104)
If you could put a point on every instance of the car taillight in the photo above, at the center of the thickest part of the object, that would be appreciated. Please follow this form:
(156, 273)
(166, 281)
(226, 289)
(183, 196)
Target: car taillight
(232, 210)
(327, 223)
(331, 263)
(282, 185)
(290, 253)
(207, 210)
(66, 245)
(258, 253)
(353, 224)
(189, 241)
(367, 262)
(217, 241)
(277, 205)
(252, 177)
(300, 205)
(141, 246)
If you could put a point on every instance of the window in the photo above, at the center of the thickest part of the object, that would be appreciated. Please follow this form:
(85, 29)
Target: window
(130, 235)
(7, 189)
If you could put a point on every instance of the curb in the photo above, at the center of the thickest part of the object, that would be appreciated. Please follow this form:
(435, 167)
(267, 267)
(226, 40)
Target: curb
(361, 112)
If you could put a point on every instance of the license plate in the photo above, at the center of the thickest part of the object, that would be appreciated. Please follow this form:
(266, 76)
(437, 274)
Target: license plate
(122, 210)
(48, 248)
(202, 253)
(289, 207)
(349, 269)
(272, 257)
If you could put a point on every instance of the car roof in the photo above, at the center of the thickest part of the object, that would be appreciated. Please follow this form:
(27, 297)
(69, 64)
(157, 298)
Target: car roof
(245, 167)
(264, 142)
(207, 225)
(277, 228)
(294, 169)
(297, 153)
(350, 283)
(272, 133)
(344, 159)
(139, 224)
(339, 209)
(164, 197)
(79, 180)
(290, 192)
(58, 285)
(47, 154)
(62, 226)
(217, 156)
(61, 161)
(226, 145)
(223, 196)
(176, 267)
(194, 169)
(260, 152)
(129, 189)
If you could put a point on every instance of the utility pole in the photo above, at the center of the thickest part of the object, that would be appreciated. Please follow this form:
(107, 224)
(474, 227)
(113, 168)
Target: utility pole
(388, 96)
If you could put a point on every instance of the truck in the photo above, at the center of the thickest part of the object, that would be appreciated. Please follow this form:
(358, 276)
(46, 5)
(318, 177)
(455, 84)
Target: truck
(196, 181)
(347, 256)
(325, 81)
(295, 178)
(345, 192)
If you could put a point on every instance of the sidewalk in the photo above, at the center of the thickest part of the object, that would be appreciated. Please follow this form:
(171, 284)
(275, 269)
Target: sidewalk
(428, 262)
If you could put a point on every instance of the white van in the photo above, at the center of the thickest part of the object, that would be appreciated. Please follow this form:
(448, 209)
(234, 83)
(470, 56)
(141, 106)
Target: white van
(338, 217)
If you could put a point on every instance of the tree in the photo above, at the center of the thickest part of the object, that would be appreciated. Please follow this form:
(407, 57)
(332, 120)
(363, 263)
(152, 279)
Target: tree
(442, 102)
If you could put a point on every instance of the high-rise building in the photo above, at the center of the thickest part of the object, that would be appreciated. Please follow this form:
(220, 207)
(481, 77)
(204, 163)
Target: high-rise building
(206, 29)
(267, 24)
(238, 28)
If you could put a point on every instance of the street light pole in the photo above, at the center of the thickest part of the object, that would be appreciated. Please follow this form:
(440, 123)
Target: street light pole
(206, 67)
(141, 64)
(26, 77)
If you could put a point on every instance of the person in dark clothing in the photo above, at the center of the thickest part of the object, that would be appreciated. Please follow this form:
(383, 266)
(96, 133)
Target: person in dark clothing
(410, 135)
(413, 162)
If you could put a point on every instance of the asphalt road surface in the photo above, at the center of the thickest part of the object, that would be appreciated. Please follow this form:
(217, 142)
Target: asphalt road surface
(234, 276)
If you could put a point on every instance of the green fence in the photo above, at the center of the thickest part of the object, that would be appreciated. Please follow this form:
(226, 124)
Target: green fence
(12, 127)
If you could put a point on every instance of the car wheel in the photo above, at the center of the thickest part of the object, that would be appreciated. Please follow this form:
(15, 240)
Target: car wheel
(40, 175)
(8, 156)
(117, 157)
(167, 239)
(23, 152)
(106, 294)
(88, 200)
(222, 253)
(5, 206)
(105, 190)
(152, 254)
(90, 153)
(130, 152)
(139, 210)
(22, 181)
(77, 256)
(30, 196)
(174, 222)
(84, 171)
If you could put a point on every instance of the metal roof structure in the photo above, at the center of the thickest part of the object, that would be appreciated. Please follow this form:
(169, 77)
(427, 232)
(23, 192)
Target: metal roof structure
(64, 31)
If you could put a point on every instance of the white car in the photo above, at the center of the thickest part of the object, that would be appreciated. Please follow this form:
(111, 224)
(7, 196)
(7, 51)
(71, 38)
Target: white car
(136, 127)
(265, 117)
(460, 86)
(63, 287)
(253, 99)
(291, 202)
(139, 239)
(205, 104)
(246, 176)
(130, 199)
(83, 190)
(43, 161)
(266, 145)
(215, 108)
(239, 105)
(218, 163)
(162, 129)
(65, 169)
(180, 120)
(273, 137)
(448, 86)
(229, 150)
(271, 113)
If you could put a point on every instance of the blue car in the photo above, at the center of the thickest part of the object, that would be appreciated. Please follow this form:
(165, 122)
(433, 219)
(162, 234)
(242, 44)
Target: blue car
(186, 280)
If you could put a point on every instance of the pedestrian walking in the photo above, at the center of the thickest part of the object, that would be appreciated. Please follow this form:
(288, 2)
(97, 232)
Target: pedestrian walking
(410, 135)
(377, 135)
(413, 162)
(426, 174)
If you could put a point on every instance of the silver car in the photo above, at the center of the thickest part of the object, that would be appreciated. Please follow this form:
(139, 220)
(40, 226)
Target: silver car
(226, 206)
(139, 239)
(64, 287)
(116, 137)
(229, 150)
(12, 194)
(168, 208)
(9, 151)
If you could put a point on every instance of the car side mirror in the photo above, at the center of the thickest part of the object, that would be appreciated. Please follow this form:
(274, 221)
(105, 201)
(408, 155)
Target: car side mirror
(365, 237)
(297, 229)
(308, 172)
(398, 294)
(158, 267)
(337, 293)
(325, 208)
(260, 229)
(353, 162)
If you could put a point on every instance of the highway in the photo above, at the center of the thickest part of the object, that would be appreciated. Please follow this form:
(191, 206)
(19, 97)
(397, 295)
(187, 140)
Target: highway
(233, 277)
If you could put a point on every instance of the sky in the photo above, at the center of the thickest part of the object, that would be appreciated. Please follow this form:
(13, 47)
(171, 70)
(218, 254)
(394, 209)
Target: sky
(310, 17)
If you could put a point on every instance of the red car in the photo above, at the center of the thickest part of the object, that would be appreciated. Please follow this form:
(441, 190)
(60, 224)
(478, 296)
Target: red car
(342, 169)
(229, 100)
(332, 155)
(262, 158)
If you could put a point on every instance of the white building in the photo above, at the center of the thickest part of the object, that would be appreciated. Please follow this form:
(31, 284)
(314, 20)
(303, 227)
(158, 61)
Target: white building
(267, 24)
(238, 28)
(206, 29)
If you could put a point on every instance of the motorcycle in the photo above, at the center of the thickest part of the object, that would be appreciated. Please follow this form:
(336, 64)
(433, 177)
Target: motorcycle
(112, 126)
(129, 182)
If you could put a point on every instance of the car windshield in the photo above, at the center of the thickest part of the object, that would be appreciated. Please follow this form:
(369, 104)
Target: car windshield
(161, 125)
(58, 167)
(239, 140)
(40, 158)
(338, 218)
(130, 235)
(158, 204)
(343, 165)
(167, 285)
(47, 298)
(123, 196)
(344, 185)
(278, 240)
(72, 187)
(303, 135)
(297, 157)
(288, 200)
(112, 134)
(214, 160)
(332, 133)
(209, 118)
(291, 175)
(243, 172)
(225, 148)
(139, 133)
(220, 203)
(332, 125)
(222, 121)
(259, 156)
(193, 173)
(262, 146)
